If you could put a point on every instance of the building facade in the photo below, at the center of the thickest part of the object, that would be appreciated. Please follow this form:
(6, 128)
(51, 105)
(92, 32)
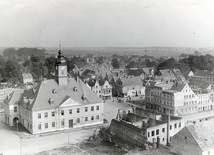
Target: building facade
(129, 86)
(143, 129)
(55, 104)
(101, 88)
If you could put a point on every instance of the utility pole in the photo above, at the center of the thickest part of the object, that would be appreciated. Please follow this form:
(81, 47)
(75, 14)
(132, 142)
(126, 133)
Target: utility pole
(17, 125)
(168, 130)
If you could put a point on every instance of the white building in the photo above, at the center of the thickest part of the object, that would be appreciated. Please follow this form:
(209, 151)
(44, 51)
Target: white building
(55, 104)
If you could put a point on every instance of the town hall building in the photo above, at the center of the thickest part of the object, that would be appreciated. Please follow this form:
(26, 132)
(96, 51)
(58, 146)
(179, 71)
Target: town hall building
(54, 104)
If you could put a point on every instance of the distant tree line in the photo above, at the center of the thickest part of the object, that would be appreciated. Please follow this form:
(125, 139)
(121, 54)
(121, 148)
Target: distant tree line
(22, 52)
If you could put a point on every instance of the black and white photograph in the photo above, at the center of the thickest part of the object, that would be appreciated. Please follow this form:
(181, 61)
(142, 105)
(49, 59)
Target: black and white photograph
(107, 77)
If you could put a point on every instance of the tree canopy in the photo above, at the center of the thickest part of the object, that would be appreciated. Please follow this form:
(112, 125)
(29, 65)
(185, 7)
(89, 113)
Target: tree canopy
(115, 63)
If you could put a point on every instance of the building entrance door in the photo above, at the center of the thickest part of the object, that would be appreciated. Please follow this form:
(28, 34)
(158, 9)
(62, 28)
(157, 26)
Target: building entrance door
(71, 123)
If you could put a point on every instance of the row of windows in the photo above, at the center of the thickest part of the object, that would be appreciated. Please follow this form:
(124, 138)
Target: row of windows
(62, 112)
(166, 96)
(53, 124)
(190, 102)
(105, 91)
(156, 132)
(188, 109)
(204, 101)
(189, 96)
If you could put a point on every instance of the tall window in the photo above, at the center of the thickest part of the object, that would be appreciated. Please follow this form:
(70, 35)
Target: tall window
(86, 118)
(78, 110)
(39, 126)
(86, 109)
(53, 114)
(15, 109)
(46, 125)
(157, 132)
(97, 107)
(62, 122)
(46, 115)
(62, 112)
(92, 108)
(70, 111)
(78, 120)
(92, 118)
(153, 133)
(97, 117)
(163, 129)
(39, 115)
(53, 124)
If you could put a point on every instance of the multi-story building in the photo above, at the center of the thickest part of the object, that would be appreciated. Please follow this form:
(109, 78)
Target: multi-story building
(129, 86)
(101, 87)
(55, 104)
(143, 129)
(27, 78)
(174, 98)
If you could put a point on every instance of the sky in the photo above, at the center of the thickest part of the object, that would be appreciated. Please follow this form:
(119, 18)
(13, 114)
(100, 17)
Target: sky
(106, 23)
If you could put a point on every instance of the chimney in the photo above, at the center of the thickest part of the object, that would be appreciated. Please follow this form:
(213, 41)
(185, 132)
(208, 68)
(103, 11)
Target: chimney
(168, 129)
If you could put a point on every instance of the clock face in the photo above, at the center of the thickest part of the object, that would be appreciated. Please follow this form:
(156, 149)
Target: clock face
(62, 67)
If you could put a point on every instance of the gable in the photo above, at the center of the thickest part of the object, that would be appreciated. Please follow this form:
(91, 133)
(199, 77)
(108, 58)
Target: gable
(69, 103)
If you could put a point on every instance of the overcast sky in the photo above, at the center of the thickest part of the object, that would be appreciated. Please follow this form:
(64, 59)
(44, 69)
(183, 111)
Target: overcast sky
(107, 23)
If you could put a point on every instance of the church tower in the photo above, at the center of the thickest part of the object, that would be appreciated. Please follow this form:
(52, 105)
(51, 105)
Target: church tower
(61, 69)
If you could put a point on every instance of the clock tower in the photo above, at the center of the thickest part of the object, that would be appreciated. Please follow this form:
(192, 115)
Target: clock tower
(61, 69)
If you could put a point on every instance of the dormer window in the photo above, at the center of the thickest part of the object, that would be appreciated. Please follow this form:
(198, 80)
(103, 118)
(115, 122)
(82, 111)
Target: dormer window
(84, 97)
(51, 101)
(75, 89)
(54, 91)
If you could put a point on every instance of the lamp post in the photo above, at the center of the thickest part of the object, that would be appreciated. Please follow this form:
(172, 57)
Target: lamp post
(17, 124)
(68, 137)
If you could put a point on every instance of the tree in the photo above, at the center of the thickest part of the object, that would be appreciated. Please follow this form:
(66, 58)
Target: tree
(100, 60)
(115, 63)
(168, 64)
(12, 72)
(9, 52)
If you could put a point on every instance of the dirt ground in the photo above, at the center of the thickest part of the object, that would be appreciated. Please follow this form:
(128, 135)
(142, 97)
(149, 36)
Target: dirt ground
(85, 148)
(101, 148)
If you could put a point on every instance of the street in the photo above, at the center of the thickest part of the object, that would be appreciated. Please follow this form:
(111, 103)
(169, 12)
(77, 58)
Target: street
(12, 144)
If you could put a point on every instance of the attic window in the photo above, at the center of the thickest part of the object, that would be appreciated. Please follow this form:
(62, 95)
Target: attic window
(51, 101)
(75, 89)
(84, 97)
(54, 91)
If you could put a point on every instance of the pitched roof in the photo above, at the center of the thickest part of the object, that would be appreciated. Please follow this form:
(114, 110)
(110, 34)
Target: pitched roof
(131, 80)
(147, 70)
(178, 74)
(75, 89)
(178, 86)
(201, 73)
(27, 75)
(14, 97)
(164, 85)
(203, 133)
(167, 73)
(200, 84)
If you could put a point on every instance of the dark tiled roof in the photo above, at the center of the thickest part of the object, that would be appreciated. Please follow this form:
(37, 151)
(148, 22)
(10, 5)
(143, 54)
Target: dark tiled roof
(201, 73)
(75, 89)
(203, 134)
(14, 97)
(178, 86)
(147, 71)
(131, 80)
